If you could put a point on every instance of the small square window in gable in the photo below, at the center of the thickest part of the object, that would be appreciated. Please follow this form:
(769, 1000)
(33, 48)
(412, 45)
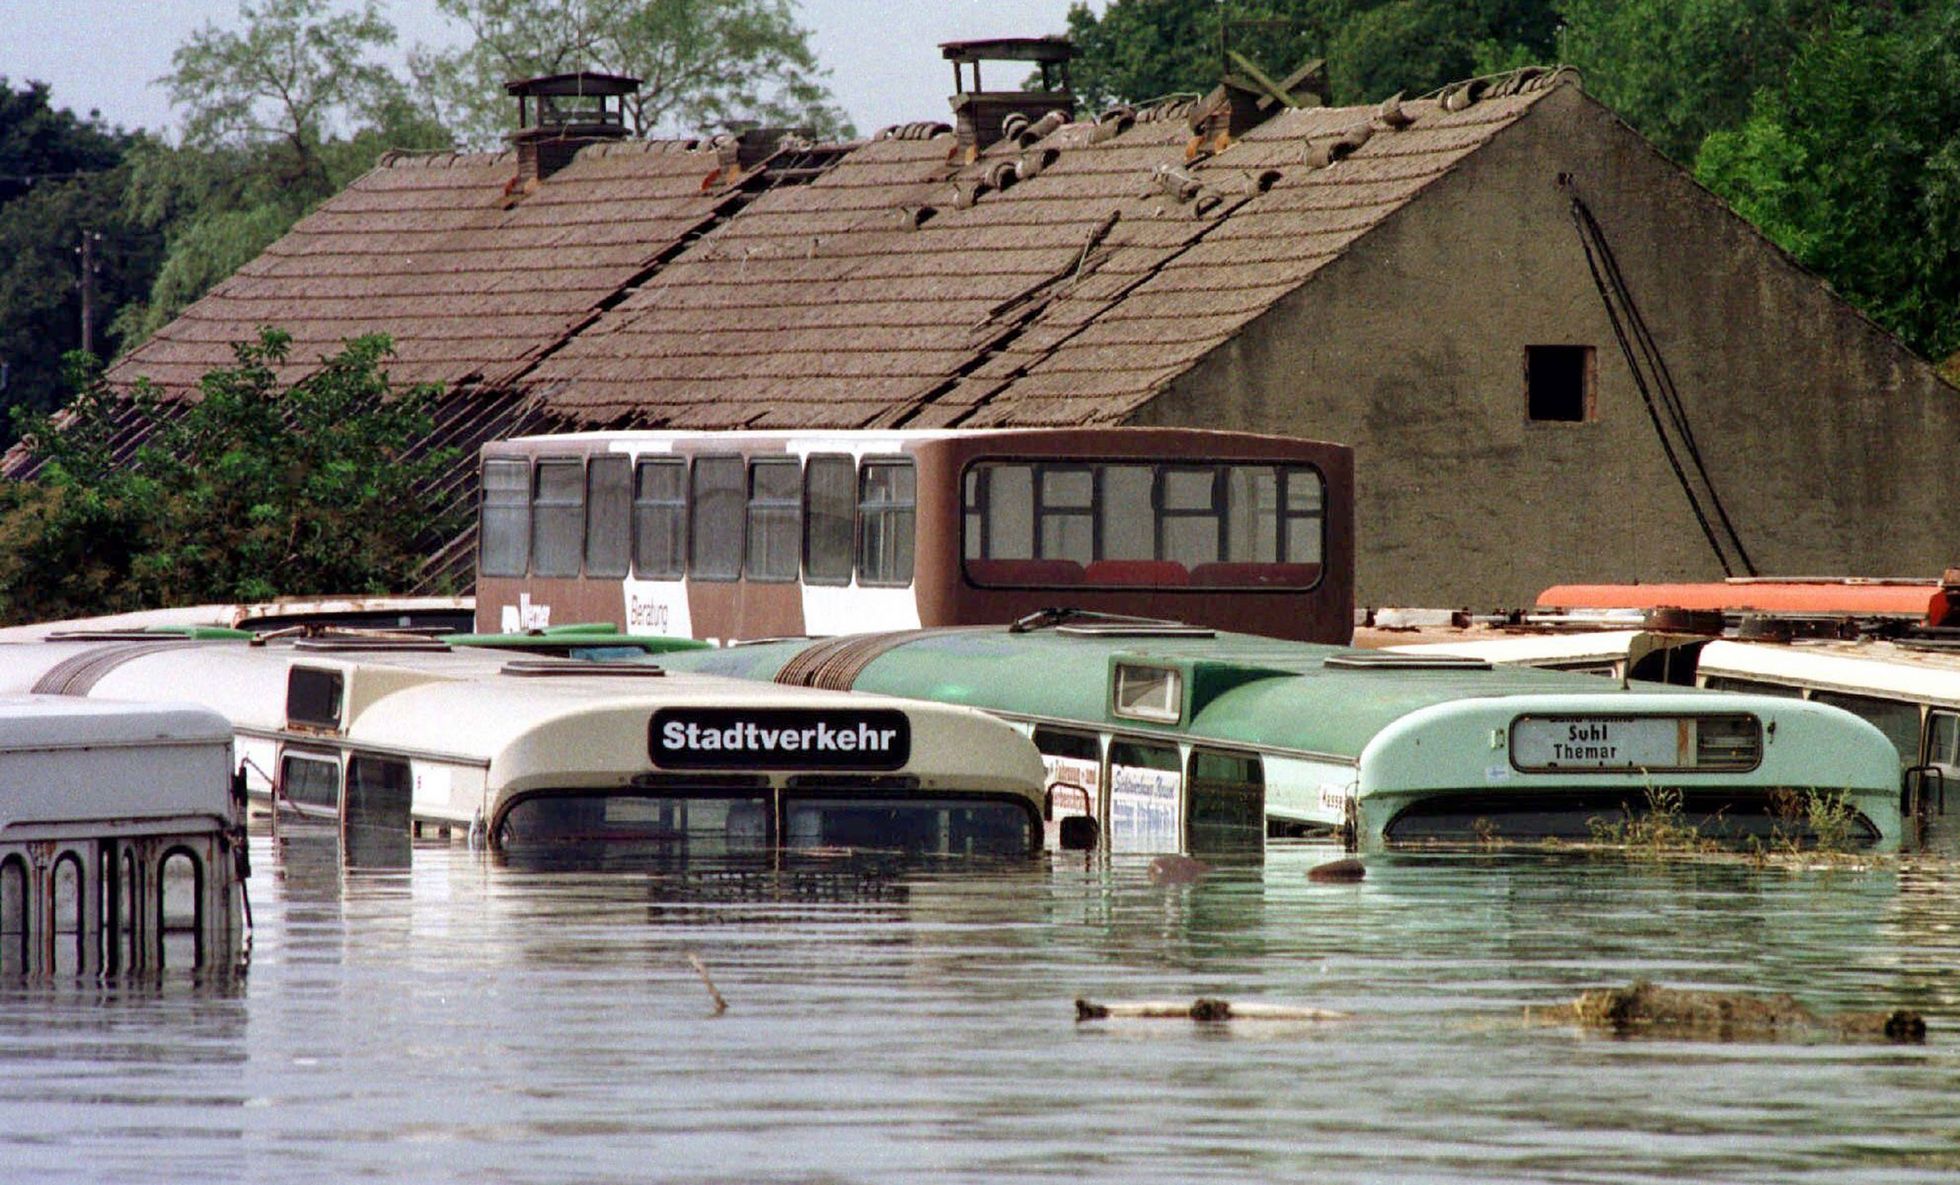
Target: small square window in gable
(1558, 382)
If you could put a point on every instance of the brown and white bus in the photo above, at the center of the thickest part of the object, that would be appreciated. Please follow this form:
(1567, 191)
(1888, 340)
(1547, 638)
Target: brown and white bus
(731, 535)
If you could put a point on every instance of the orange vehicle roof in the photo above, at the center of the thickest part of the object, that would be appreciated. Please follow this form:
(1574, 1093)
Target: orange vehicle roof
(1862, 598)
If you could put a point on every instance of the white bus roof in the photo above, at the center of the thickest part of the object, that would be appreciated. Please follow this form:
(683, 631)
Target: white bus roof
(1866, 667)
(463, 707)
(65, 761)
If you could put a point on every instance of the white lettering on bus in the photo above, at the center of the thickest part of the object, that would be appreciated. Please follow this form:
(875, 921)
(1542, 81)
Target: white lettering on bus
(820, 737)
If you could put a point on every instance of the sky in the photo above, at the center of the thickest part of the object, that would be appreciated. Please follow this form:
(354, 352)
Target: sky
(883, 57)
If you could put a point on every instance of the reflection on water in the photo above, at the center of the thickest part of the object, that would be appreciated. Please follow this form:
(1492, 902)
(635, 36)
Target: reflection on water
(465, 1018)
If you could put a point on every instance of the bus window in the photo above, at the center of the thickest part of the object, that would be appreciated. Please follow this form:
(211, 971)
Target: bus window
(310, 782)
(1143, 526)
(14, 913)
(660, 518)
(1752, 686)
(1227, 801)
(775, 509)
(829, 518)
(1943, 740)
(1065, 512)
(557, 517)
(1899, 721)
(1191, 523)
(504, 545)
(1074, 762)
(715, 527)
(1145, 784)
(888, 496)
(608, 506)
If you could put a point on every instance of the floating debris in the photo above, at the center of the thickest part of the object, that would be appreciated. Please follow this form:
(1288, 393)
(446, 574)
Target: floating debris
(1338, 872)
(1647, 1009)
(1204, 1008)
(1177, 870)
(701, 969)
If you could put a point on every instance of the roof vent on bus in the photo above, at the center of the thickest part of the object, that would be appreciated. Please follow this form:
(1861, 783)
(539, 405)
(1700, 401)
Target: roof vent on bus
(1089, 623)
(535, 668)
(366, 644)
(1385, 660)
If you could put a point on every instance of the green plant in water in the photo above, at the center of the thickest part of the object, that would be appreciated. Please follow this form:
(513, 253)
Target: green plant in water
(1660, 829)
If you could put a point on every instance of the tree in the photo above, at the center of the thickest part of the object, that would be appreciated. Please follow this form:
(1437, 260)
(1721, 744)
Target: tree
(256, 490)
(703, 64)
(278, 116)
(1852, 164)
(1142, 49)
(61, 177)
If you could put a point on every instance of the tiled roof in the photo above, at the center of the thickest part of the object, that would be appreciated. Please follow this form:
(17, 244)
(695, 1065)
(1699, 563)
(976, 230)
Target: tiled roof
(631, 287)
(432, 250)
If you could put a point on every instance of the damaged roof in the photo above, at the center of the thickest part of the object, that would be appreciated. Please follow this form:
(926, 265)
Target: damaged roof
(1065, 280)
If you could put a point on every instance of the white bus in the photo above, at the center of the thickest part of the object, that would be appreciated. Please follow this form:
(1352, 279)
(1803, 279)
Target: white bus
(121, 839)
(393, 740)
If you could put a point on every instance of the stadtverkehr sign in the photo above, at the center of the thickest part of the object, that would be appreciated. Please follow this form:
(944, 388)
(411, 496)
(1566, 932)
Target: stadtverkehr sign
(779, 738)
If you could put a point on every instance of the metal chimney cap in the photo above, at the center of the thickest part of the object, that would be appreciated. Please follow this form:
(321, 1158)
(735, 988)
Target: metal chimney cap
(1010, 49)
(578, 83)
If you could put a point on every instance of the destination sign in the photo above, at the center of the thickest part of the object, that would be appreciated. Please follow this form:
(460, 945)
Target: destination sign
(1593, 742)
(779, 738)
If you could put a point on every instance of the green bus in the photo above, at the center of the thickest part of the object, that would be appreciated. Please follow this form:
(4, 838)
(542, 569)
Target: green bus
(1178, 738)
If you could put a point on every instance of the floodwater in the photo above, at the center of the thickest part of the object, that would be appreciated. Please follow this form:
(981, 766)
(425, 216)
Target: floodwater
(463, 1020)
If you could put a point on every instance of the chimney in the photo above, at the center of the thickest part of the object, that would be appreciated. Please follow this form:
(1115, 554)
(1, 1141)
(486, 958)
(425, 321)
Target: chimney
(559, 114)
(979, 113)
(1246, 98)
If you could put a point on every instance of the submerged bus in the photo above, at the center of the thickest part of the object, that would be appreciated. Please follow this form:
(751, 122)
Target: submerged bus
(1173, 735)
(731, 535)
(394, 739)
(1907, 689)
(122, 841)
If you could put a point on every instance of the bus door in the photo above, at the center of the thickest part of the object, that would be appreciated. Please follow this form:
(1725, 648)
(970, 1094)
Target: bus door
(1075, 786)
(1225, 802)
(1939, 769)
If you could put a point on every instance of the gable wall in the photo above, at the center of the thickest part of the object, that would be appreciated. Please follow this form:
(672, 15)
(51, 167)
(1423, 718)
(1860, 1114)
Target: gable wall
(1828, 441)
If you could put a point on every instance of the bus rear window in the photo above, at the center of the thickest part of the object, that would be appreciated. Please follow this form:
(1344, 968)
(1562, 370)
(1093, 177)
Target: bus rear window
(608, 506)
(660, 518)
(504, 539)
(1126, 524)
(558, 517)
(775, 520)
(715, 531)
(830, 512)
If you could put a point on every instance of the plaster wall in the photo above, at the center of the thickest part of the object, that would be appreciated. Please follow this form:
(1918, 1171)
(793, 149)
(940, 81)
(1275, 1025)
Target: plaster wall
(1831, 445)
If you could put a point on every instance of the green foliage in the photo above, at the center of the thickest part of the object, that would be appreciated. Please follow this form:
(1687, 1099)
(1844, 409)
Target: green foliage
(278, 116)
(259, 489)
(1852, 164)
(60, 176)
(704, 64)
(1680, 69)
(1141, 49)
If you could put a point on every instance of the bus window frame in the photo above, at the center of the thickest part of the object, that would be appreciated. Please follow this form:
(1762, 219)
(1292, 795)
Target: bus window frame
(1163, 513)
(1189, 788)
(619, 570)
(810, 466)
(1043, 510)
(977, 503)
(793, 503)
(566, 508)
(705, 462)
(679, 506)
(521, 503)
(327, 757)
(908, 510)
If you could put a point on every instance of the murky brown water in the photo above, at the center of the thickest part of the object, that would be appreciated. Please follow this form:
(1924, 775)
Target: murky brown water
(463, 1021)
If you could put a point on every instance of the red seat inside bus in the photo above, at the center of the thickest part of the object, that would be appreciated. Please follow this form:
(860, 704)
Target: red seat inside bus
(1255, 575)
(1014, 573)
(1138, 573)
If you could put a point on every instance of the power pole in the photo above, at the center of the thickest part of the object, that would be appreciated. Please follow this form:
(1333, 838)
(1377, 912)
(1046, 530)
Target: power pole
(87, 283)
